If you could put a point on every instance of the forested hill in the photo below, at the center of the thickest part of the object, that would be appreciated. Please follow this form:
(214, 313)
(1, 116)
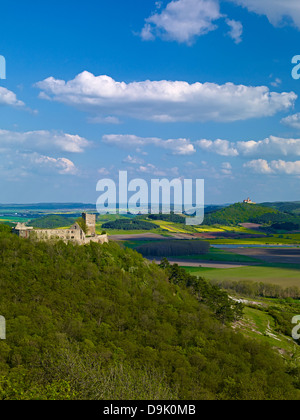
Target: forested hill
(283, 206)
(99, 322)
(52, 222)
(244, 213)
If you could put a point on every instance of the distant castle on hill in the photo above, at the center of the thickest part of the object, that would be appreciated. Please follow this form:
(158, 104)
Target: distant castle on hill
(248, 201)
(73, 234)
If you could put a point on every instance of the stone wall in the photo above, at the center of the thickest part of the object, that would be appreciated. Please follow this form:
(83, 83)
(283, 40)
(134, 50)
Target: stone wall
(90, 221)
(74, 234)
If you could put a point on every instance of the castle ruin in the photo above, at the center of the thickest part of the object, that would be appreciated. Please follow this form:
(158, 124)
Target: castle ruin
(73, 234)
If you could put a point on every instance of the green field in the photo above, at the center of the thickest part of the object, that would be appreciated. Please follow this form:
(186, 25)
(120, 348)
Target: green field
(221, 255)
(276, 239)
(284, 275)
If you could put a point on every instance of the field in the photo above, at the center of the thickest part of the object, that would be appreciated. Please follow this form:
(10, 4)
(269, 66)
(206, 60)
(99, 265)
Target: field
(282, 275)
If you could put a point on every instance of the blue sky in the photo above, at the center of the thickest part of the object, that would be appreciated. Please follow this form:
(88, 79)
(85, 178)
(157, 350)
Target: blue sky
(184, 88)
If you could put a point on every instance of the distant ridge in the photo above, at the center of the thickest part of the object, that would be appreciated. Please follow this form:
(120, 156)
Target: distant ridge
(284, 206)
(49, 206)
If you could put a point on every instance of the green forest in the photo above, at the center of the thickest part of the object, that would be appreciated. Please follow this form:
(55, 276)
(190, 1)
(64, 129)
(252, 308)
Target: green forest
(130, 224)
(244, 213)
(52, 222)
(173, 247)
(99, 322)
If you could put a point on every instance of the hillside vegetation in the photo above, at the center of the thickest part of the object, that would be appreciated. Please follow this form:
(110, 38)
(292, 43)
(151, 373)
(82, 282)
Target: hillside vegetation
(174, 248)
(54, 221)
(245, 213)
(100, 322)
(129, 224)
(288, 207)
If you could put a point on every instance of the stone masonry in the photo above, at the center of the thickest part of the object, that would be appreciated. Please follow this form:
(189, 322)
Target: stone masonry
(73, 234)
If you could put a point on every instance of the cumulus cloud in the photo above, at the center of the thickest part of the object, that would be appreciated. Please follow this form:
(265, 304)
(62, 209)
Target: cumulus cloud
(185, 20)
(220, 147)
(175, 146)
(182, 21)
(236, 30)
(259, 166)
(226, 168)
(7, 97)
(133, 160)
(292, 121)
(149, 168)
(275, 167)
(271, 146)
(61, 165)
(43, 140)
(21, 164)
(166, 101)
(24, 153)
(279, 12)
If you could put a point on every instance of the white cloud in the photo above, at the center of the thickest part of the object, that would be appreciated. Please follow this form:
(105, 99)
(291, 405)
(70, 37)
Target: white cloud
(236, 30)
(133, 160)
(292, 121)
(18, 165)
(175, 146)
(166, 101)
(226, 168)
(8, 97)
(182, 20)
(271, 146)
(43, 140)
(289, 168)
(279, 12)
(259, 166)
(103, 171)
(276, 167)
(277, 82)
(151, 169)
(25, 153)
(61, 165)
(104, 120)
(220, 147)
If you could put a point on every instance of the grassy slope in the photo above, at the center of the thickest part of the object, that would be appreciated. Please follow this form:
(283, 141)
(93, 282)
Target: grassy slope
(258, 324)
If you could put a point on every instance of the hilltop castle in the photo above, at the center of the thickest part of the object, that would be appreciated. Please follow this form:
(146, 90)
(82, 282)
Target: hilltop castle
(248, 201)
(73, 234)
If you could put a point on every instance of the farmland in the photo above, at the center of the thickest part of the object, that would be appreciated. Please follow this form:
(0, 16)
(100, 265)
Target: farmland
(284, 275)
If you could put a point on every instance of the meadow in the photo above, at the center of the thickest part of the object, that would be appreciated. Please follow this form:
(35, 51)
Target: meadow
(283, 275)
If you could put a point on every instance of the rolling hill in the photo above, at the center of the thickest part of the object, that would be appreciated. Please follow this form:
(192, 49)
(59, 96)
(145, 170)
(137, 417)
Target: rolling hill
(52, 222)
(283, 206)
(238, 213)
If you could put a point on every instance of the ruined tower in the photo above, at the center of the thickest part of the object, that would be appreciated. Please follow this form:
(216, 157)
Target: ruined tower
(90, 221)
